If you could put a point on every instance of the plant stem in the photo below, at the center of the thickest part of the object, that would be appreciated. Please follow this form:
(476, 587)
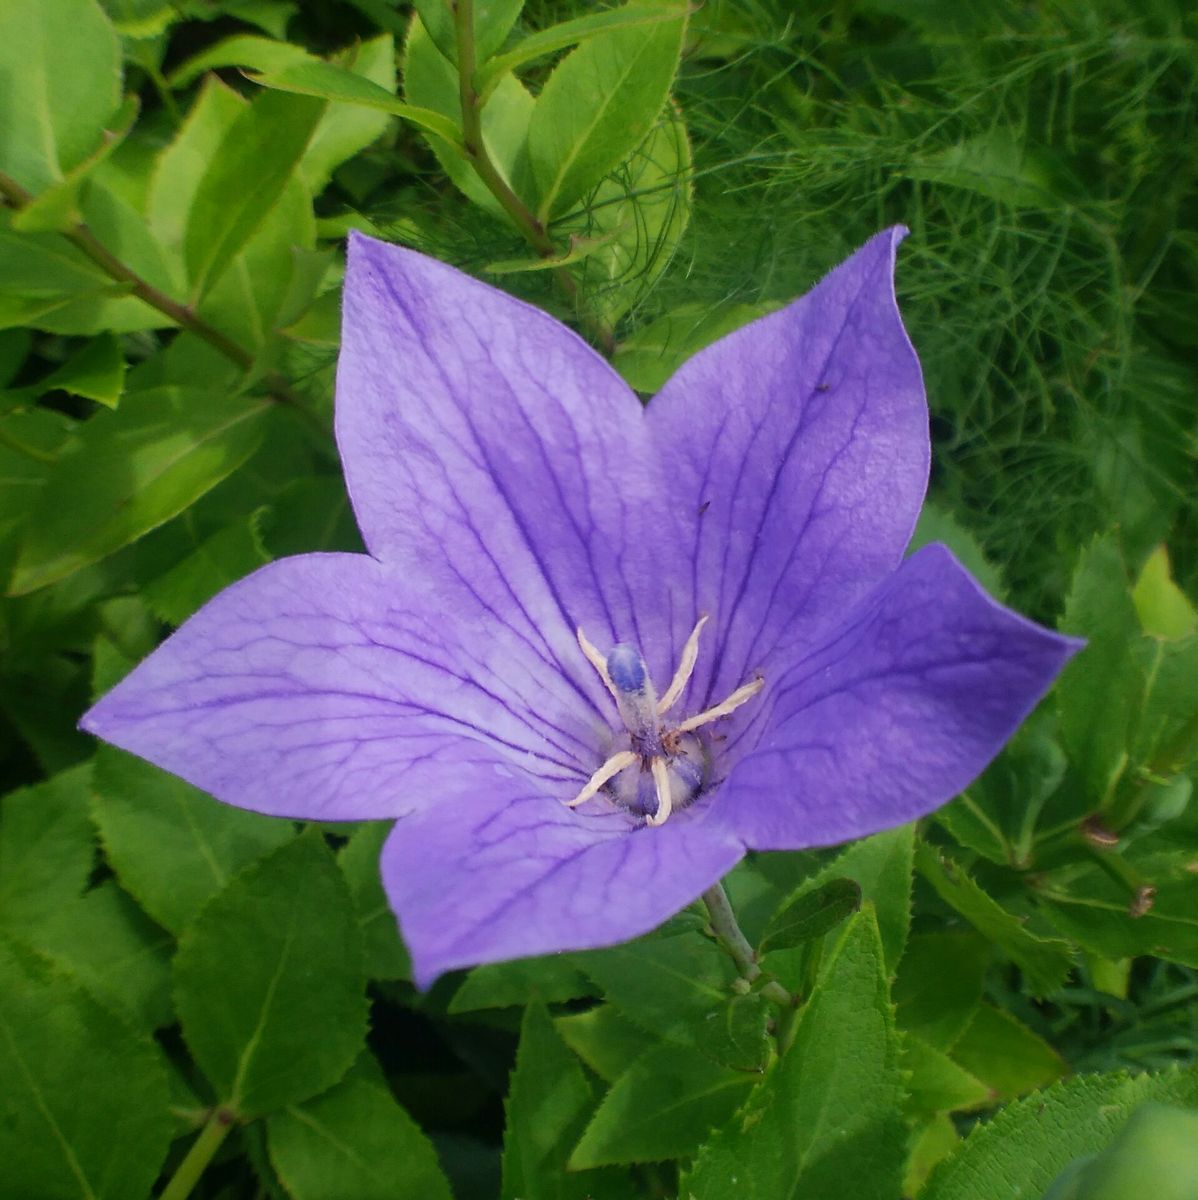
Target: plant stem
(723, 921)
(521, 215)
(16, 197)
(188, 1173)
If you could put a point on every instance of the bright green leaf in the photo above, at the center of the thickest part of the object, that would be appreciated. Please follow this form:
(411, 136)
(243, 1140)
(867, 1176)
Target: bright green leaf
(354, 1140)
(130, 471)
(825, 1123)
(269, 983)
(493, 21)
(935, 1083)
(597, 106)
(1163, 608)
(172, 846)
(1005, 1054)
(607, 1042)
(83, 1109)
(241, 50)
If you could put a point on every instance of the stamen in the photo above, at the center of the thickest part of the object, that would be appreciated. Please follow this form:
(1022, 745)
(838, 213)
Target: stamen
(661, 784)
(686, 667)
(738, 697)
(609, 770)
(635, 697)
(597, 660)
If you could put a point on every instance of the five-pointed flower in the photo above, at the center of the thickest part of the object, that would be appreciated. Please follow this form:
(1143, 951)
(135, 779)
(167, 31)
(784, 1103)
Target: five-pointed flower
(597, 649)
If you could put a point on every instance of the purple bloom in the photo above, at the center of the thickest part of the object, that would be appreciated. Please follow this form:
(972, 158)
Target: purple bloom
(543, 552)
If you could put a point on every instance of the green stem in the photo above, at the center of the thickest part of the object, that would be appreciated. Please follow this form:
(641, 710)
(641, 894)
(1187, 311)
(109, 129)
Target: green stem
(16, 197)
(475, 148)
(723, 922)
(202, 1151)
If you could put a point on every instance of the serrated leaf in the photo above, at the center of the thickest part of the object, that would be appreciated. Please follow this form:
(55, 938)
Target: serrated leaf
(1044, 961)
(83, 1109)
(172, 846)
(60, 74)
(386, 957)
(607, 1042)
(248, 173)
(663, 1107)
(1005, 1054)
(597, 106)
(1022, 1149)
(47, 848)
(939, 985)
(937, 524)
(269, 984)
(131, 470)
(354, 1140)
(824, 1123)
(935, 1083)
(811, 914)
(503, 985)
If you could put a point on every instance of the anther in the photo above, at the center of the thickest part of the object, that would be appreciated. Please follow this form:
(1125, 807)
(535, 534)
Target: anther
(738, 697)
(663, 788)
(610, 769)
(686, 668)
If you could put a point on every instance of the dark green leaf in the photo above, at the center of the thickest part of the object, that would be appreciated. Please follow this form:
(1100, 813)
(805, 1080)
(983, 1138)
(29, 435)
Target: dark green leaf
(83, 1109)
(130, 470)
(826, 1122)
(386, 955)
(269, 983)
(354, 1141)
(811, 914)
(501, 985)
(173, 846)
(939, 985)
(607, 1042)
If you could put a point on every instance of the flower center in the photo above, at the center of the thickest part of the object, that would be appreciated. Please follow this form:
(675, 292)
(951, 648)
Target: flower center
(654, 767)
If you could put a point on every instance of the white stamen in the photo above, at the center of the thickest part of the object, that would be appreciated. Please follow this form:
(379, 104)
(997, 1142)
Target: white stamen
(738, 697)
(686, 667)
(661, 783)
(609, 770)
(598, 661)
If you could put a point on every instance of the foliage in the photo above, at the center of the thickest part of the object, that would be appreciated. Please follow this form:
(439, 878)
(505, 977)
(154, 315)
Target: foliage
(980, 1002)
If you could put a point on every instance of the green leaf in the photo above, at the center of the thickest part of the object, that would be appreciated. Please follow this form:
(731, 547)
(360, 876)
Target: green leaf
(431, 83)
(1022, 1149)
(597, 106)
(172, 846)
(994, 165)
(47, 848)
(1097, 689)
(1004, 1054)
(811, 914)
(935, 1083)
(60, 74)
(638, 215)
(97, 372)
(824, 1123)
(113, 948)
(547, 1106)
(1163, 608)
(241, 50)
(937, 524)
(83, 1109)
(269, 984)
(566, 33)
(502, 985)
(222, 559)
(386, 956)
(939, 985)
(604, 1040)
(354, 1140)
(493, 21)
(1044, 961)
(131, 470)
(247, 175)
(664, 1106)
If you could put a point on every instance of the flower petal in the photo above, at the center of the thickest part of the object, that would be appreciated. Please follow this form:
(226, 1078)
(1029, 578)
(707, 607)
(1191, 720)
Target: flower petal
(331, 687)
(509, 873)
(894, 714)
(482, 439)
(797, 447)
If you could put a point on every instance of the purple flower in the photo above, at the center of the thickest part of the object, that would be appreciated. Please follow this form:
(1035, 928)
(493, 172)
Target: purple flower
(544, 550)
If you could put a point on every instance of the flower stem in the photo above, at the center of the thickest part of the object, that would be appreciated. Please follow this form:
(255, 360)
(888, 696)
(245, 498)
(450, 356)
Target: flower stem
(82, 238)
(723, 922)
(525, 220)
(202, 1151)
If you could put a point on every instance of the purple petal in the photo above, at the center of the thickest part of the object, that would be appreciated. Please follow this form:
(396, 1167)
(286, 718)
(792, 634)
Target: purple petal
(511, 873)
(797, 447)
(485, 441)
(894, 714)
(331, 687)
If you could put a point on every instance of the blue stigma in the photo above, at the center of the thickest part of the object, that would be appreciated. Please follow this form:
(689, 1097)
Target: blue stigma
(627, 669)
